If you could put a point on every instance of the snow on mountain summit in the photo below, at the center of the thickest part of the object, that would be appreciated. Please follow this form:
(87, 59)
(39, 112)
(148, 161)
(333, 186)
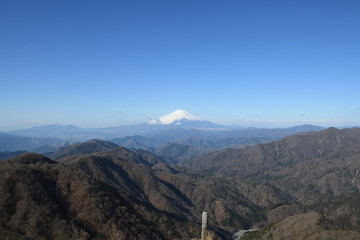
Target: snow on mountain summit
(175, 117)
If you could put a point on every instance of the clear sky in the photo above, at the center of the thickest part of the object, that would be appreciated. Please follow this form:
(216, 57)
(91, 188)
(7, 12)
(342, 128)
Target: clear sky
(108, 63)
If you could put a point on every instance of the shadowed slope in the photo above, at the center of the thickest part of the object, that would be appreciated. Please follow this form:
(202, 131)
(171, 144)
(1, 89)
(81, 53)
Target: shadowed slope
(56, 201)
(88, 147)
(301, 227)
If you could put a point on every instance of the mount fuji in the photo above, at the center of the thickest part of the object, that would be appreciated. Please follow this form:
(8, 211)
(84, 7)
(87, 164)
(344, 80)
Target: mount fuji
(175, 117)
(182, 118)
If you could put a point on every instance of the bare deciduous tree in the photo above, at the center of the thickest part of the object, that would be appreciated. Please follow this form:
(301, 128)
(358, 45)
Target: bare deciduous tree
(78, 233)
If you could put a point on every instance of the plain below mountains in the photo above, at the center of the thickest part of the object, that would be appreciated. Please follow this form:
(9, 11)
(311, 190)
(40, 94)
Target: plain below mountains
(174, 143)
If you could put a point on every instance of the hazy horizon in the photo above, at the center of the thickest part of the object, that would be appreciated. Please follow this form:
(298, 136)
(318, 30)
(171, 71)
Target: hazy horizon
(243, 123)
(246, 124)
(247, 63)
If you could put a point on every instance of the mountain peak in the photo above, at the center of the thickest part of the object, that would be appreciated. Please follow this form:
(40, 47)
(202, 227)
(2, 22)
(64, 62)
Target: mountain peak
(175, 117)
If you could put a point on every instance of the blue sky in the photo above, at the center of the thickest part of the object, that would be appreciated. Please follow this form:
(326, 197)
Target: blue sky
(109, 63)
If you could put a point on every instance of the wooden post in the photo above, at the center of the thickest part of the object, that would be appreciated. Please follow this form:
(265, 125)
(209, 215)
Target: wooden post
(204, 225)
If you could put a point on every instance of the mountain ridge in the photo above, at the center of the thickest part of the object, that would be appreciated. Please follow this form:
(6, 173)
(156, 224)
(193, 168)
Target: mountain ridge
(305, 165)
(239, 188)
(177, 121)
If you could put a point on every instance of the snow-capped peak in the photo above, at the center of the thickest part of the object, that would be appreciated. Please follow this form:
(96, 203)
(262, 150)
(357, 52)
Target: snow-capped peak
(173, 117)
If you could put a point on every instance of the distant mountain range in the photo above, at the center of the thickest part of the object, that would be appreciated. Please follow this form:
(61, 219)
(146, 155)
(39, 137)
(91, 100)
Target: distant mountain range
(12, 142)
(179, 127)
(178, 120)
(179, 123)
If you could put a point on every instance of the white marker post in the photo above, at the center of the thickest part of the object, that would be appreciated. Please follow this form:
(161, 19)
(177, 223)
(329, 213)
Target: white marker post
(204, 225)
